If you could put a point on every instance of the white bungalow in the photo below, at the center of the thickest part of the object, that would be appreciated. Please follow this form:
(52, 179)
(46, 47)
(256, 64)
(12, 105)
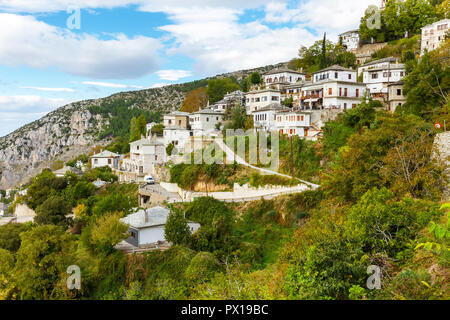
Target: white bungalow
(147, 227)
(105, 159)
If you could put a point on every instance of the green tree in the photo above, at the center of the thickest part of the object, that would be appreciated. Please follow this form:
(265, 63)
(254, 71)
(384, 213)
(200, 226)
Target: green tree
(141, 125)
(42, 261)
(218, 88)
(53, 211)
(427, 85)
(42, 187)
(177, 229)
(203, 267)
(255, 78)
(134, 130)
(108, 231)
(10, 236)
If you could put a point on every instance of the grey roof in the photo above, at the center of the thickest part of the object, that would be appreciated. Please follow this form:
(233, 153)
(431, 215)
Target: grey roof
(335, 67)
(153, 217)
(105, 154)
(207, 111)
(281, 70)
(388, 59)
(147, 142)
(350, 31)
(178, 113)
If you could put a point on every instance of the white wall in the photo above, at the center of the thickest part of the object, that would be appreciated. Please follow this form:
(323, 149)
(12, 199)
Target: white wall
(154, 234)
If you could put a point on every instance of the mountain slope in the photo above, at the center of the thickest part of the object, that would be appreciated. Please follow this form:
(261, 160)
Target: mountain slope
(73, 129)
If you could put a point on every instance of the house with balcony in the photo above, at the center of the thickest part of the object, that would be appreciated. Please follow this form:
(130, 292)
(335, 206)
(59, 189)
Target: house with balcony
(276, 78)
(378, 79)
(334, 87)
(264, 119)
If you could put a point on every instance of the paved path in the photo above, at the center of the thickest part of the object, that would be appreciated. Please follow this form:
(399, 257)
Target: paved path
(231, 157)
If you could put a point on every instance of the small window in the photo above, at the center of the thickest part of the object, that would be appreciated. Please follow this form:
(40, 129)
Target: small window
(336, 75)
(399, 92)
(349, 76)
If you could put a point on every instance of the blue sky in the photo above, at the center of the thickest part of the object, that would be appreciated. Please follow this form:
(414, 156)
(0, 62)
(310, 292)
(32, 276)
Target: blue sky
(136, 44)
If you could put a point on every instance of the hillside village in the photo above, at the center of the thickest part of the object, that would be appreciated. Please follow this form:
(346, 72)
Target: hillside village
(144, 187)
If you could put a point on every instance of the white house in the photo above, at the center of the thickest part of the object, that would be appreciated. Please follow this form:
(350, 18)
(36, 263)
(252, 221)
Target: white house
(433, 35)
(350, 39)
(335, 72)
(177, 136)
(145, 155)
(378, 79)
(176, 119)
(220, 106)
(147, 226)
(293, 122)
(265, 118)
(105, 159)
(258, 99)
(332, 94)
(205, 121)
(277, 77)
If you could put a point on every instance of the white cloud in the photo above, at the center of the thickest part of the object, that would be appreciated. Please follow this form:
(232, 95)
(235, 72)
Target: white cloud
(111, 85)
(16, 111)
(173, 75)
(24, 41)
(278, 12)
(50, 89)
(333, 16)
(215, 39)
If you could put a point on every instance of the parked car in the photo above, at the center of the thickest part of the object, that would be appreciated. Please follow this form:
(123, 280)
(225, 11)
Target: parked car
(149, 180)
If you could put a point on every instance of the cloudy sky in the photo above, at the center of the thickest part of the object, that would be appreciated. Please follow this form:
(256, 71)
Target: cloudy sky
(56, 51)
